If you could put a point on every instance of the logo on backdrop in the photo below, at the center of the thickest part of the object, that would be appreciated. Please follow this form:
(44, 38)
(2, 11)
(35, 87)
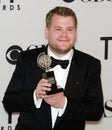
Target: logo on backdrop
(86, 1)
(108, 109)
(12, 52)
(68, 1)
(9, 5)
(106, 42)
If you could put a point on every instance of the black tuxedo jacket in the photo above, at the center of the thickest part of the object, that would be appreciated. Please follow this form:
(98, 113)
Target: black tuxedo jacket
(83, 91)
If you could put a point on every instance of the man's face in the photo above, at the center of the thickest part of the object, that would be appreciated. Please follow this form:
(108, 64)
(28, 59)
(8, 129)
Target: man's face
(61, 35)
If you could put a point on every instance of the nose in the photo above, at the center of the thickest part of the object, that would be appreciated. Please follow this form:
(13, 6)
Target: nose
(64, 33)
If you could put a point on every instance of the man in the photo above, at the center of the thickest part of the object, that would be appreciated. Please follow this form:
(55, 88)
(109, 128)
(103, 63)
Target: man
(81, 99)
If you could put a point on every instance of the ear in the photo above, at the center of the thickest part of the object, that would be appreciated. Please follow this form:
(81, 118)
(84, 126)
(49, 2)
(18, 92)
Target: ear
(46, 32)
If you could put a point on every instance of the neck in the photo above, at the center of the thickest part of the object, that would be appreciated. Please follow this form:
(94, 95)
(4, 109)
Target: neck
(58, 53)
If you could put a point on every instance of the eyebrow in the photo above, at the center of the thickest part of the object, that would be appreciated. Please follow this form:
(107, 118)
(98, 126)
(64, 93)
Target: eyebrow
(62, 27)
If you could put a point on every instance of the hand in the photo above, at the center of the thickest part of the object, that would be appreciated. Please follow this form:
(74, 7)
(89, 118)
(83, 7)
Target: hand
(55, 100)
(42, 87)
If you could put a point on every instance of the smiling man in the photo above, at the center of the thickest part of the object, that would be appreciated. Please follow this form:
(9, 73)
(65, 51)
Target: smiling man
(81, 98)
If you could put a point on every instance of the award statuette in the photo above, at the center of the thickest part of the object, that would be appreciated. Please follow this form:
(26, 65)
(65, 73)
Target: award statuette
(44, 62)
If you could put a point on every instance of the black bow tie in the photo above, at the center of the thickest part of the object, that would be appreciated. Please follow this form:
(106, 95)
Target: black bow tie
(62, 63)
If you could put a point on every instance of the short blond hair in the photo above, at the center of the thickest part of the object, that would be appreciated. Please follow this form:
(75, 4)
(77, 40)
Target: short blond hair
(62, 11)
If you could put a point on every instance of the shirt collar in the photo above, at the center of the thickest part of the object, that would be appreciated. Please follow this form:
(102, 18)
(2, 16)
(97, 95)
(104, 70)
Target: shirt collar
(68, 56)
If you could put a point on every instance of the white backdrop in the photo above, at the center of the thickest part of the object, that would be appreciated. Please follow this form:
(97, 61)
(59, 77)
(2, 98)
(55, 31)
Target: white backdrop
(22, 23)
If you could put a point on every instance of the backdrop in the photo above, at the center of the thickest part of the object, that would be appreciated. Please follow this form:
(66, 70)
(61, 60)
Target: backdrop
(22, 26)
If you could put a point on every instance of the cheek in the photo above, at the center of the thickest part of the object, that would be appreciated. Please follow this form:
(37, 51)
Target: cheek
(54, 35)
(73, 37)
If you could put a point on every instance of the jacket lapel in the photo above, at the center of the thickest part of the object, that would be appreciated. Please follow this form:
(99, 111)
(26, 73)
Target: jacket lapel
(43, 114)
(73, 80)
(74, 73)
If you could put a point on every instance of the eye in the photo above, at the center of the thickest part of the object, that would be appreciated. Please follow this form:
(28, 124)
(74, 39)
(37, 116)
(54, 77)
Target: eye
(12, 54)
(58, 29)
(70, 29)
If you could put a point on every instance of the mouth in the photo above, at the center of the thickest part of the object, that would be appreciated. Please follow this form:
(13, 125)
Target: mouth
(63, 40)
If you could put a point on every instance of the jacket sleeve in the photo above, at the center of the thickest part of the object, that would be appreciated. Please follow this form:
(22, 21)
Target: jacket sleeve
(16, 97)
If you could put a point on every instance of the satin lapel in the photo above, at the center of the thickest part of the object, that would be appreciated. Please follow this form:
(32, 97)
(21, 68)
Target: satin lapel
(43, 114)
(36, 70)
(72, 80)
(74, 73)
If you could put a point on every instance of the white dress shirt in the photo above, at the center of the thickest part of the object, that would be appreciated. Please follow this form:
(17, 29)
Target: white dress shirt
(61, 77)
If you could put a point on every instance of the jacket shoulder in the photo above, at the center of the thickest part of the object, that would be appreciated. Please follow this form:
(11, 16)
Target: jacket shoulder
(85, 59)
(33, 53)
(85, 56)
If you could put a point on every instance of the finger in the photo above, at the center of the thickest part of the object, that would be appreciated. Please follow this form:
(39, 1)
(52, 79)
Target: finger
(46, 88)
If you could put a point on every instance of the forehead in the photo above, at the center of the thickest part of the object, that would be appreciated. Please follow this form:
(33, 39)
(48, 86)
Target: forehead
(58, 19)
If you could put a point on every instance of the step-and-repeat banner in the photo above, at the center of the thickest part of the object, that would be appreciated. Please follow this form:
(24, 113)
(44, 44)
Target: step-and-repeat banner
(22, 24)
